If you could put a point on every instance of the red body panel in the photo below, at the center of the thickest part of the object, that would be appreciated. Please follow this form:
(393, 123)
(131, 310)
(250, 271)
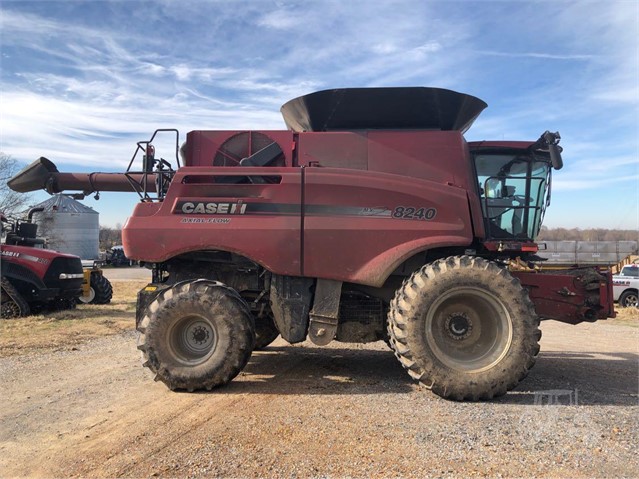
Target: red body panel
(320, 221)
(34, 259)
(358, 239)
(155, 233)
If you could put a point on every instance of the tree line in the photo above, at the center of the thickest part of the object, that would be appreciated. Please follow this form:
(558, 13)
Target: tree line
(589, 234)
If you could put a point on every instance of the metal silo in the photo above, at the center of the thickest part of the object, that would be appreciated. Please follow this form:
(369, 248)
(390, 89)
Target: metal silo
(69, 226)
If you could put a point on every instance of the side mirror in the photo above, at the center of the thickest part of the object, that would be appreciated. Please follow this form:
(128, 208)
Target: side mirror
(552, 140)
(493, 188)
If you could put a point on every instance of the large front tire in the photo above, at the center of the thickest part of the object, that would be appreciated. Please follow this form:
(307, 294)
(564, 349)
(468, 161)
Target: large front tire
(196, 335)
(464, 328)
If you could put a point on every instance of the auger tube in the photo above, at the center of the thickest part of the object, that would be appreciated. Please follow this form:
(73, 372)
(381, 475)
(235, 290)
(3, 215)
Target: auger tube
(43, 174)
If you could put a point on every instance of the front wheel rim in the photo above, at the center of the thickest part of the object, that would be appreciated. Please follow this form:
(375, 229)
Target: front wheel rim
(192, 339)
(10, 310)
(469, 329)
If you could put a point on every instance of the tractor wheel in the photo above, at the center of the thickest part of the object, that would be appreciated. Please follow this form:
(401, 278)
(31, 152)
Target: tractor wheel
(196, 335)
(629, 299)
(12, 304)
(464, 328)
(102, 289)
(265, 332)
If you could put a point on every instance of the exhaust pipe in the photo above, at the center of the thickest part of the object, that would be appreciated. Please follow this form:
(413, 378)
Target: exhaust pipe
(43, 174)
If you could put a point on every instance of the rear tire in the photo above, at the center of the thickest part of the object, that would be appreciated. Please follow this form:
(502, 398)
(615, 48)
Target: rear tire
(464, 328)
(196, 335)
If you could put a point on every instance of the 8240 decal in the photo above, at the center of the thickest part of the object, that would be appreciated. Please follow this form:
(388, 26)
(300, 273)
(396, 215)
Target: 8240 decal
(413, 213)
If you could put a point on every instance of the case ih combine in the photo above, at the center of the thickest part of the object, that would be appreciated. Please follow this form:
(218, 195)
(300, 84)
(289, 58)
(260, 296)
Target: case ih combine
(370, 218)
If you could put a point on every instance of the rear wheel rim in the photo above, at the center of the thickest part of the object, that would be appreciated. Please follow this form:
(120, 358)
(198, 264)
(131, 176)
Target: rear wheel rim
(632, 301)
(192, 339)
(469, 329)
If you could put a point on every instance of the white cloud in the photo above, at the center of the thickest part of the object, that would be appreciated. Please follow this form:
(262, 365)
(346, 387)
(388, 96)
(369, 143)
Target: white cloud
(540, 55)
(279, 20)
(182, 72)
(430, 47)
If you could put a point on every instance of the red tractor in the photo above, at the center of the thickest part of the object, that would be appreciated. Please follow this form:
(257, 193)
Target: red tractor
(371, 218)
(34, 278)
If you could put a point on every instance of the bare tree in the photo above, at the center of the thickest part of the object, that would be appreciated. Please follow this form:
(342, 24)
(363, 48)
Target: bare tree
(10, 201)
(110, 237)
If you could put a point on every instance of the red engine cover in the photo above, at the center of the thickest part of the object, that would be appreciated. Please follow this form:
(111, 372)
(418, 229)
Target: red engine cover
(35, 259)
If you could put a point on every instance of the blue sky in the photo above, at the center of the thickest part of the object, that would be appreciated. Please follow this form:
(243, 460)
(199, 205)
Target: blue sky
(81, 82)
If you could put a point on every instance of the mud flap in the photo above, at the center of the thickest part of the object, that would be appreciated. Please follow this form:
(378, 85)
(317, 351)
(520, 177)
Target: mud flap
(325, 313)
(290, 302)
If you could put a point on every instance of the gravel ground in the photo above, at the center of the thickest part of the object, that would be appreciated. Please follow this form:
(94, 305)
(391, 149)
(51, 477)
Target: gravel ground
(303, 411)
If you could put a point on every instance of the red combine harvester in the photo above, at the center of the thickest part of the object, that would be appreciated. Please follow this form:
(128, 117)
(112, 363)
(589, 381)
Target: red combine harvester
(370, 219)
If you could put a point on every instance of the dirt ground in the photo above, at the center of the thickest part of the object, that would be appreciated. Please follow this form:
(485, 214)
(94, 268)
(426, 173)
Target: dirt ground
(85, 407)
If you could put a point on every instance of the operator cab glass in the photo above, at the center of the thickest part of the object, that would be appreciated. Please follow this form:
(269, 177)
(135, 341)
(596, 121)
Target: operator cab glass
(514, 190)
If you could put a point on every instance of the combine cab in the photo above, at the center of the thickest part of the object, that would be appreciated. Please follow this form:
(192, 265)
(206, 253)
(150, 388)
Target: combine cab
(370, 218)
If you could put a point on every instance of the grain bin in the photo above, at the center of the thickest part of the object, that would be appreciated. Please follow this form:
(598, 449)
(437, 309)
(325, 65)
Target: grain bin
(69, 226)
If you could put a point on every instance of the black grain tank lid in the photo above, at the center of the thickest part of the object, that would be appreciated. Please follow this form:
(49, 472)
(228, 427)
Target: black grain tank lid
(382, 108)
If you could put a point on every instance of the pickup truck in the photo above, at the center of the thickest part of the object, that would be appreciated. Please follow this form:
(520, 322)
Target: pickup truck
(625, 286)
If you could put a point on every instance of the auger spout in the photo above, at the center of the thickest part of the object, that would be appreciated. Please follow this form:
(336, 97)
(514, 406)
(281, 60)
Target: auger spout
(43, 174)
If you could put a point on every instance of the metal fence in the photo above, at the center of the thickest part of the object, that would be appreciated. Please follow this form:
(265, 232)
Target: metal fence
(586, 252)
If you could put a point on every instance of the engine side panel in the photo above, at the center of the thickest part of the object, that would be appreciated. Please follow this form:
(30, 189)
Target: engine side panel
(360, 225)
(257, 221)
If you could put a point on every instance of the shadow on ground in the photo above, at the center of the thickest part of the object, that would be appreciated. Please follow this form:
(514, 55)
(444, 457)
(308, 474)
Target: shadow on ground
(599, 379)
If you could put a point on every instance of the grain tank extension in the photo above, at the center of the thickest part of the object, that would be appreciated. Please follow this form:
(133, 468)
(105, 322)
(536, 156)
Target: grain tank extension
(371, 218)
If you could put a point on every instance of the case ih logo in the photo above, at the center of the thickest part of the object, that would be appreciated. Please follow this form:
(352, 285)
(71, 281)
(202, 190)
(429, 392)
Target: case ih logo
(25, 257)
(210, 208)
